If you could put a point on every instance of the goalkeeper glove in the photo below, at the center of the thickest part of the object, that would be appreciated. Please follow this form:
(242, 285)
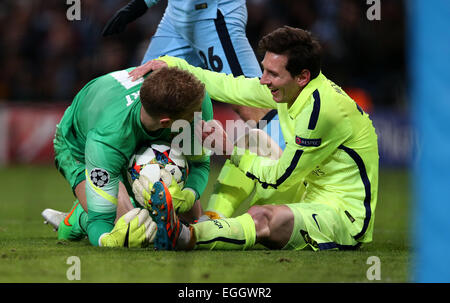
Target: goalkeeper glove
(182, 200)
(133, 10)
(134, 229)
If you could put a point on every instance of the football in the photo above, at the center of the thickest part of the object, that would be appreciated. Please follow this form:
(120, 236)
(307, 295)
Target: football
(151, 161)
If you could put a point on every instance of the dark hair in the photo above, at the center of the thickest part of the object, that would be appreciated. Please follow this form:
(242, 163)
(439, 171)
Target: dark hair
(172, 92)
(301, 48)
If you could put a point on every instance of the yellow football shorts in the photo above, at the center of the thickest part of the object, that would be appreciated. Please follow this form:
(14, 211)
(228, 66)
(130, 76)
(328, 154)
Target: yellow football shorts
(319, 226)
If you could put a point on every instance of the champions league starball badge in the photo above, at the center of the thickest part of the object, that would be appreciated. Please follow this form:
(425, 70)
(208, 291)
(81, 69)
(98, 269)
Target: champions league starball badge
(99, 177)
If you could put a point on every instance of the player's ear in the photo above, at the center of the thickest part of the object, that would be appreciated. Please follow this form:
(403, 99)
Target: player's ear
(165, 122)
(303, 78)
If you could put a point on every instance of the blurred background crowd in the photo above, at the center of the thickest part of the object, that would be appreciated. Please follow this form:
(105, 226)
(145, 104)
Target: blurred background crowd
(46, 58)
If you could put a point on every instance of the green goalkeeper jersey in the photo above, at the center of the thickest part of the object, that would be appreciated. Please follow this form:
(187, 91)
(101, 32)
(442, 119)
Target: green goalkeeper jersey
(103, 130)
(331, 145)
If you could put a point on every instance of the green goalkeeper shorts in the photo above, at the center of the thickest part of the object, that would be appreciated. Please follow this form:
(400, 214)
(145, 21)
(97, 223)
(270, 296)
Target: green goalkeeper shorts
(320, 227)
(71, 168)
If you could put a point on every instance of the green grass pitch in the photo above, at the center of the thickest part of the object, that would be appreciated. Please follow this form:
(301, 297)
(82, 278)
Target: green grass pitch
(30, 251)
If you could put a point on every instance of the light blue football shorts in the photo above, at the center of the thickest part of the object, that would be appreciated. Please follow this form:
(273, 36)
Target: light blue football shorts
(219, 44)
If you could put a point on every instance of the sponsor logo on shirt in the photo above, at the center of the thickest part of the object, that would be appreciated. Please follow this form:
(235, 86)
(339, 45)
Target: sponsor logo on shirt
(307, 142)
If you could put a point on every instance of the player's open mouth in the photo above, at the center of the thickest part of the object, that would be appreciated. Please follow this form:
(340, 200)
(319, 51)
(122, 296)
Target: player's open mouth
(274, 91)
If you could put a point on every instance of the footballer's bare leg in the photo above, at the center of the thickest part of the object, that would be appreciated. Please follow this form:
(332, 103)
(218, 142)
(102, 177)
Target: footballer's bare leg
(80, 193)
(124, 204)
(273, 223)
(193, 214)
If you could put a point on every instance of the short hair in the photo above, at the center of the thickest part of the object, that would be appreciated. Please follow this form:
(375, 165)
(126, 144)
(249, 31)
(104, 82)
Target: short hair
(301, 48)
(172, 92)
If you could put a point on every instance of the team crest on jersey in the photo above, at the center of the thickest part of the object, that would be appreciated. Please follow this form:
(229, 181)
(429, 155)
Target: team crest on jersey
(307, 142)
(99, 177)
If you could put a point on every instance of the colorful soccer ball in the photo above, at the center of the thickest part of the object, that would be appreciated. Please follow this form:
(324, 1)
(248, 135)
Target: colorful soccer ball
(151, 160)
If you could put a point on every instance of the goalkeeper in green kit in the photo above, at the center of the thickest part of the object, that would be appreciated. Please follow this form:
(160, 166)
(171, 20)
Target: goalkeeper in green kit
(331, 147)
(108, 120)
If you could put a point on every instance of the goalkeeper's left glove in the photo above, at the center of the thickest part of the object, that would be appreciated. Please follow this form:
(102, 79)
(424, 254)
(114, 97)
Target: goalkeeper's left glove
(133, 10)
(182, 199)
(134, 229)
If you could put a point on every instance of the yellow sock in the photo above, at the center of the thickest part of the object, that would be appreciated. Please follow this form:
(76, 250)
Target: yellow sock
(226, 234)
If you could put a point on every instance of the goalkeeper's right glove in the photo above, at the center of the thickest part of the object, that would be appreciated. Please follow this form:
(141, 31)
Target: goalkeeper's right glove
(134, 229)
(182, 199)
(133, 10)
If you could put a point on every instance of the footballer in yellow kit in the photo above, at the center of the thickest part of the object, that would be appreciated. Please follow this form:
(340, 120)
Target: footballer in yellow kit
(331, 146)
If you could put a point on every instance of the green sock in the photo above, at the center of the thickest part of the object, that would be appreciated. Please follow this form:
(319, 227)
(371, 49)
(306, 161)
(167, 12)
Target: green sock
(99, 223)
(74, 226)
(226, 234)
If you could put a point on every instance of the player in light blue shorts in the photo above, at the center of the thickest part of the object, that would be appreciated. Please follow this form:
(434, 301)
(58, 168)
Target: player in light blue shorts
(206, 33)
